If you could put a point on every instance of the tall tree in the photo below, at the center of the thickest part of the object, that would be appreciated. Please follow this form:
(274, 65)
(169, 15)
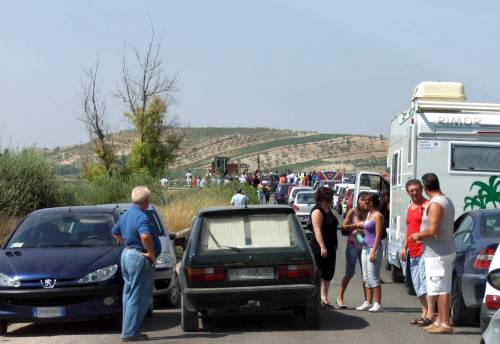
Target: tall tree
(148, 95)
(93, 115)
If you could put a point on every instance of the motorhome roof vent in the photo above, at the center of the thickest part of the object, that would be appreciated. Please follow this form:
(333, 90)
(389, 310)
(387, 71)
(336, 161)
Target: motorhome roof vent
(438, 90)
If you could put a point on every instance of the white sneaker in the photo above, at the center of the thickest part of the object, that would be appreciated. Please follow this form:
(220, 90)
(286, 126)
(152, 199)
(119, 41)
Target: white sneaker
(376, 308)
(364, 307)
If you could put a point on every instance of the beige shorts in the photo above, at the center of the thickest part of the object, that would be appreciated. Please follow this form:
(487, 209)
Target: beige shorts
(438, 274)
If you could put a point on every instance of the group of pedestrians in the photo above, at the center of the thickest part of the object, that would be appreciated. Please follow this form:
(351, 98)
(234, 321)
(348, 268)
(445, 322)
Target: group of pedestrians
(429, 245)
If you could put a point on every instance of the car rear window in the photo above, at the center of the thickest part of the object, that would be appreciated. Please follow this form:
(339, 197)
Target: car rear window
(490, 226)
(306, 198)
(248, 232)
(64, 229)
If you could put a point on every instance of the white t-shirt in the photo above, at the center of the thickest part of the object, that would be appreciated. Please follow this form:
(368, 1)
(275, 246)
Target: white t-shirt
(239, 199)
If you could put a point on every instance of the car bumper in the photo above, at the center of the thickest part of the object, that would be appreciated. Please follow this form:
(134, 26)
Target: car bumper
(485, 316)
(251, 298)
(473, 288)
(71, 302)
(164, 280)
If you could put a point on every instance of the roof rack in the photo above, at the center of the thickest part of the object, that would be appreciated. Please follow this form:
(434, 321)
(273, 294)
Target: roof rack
(427, 105)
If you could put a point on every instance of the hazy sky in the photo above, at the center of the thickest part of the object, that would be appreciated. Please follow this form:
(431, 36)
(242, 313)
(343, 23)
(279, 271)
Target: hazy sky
(328, 66)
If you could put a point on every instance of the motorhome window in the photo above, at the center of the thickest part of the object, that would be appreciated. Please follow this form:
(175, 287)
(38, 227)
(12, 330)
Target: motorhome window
(475, 158)
(396, 171)
(410, 140)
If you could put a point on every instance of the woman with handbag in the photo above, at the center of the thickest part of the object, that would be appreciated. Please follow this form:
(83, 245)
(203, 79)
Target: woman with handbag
(353, 246)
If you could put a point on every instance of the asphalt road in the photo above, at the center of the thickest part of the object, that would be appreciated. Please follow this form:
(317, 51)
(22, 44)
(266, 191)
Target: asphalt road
(346, 326)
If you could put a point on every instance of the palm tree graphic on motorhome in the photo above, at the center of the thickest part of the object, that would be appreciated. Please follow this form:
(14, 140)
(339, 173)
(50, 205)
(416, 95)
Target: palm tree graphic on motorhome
(487, 194)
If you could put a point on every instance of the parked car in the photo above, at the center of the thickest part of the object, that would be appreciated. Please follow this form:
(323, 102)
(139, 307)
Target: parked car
(490, 310)
(303, 204)
(253, 258)
(295, 190)
(477, 234)
(166, 291)
(60, 264)
(281, 194)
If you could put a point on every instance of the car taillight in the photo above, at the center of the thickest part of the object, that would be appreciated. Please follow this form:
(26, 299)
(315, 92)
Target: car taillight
(295, 271)
(205, 274)
(492, 301)
(484, 258)
(296, 208)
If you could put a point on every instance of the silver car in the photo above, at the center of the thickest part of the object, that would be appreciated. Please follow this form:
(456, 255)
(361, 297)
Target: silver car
(303, 203)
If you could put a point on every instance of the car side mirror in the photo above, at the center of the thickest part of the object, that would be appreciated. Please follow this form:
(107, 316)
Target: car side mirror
(172, 236)
(494, 278)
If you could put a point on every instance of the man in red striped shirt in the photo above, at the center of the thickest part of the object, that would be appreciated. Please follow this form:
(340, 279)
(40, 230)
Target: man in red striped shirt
(413, 249)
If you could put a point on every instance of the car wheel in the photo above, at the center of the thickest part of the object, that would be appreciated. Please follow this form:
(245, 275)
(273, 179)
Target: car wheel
(189, 320)
(312, 313)
(174, 295)
(3, 327)
(460, 314)
(397, 275)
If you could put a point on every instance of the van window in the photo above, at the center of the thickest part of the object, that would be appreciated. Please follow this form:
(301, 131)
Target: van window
(396, 169)
(410, 142)
(475, 158)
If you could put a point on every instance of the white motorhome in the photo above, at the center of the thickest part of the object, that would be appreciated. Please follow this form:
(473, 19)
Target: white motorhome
(443, 134)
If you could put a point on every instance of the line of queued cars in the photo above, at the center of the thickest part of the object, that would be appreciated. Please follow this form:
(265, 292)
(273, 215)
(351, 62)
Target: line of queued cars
(63, 264)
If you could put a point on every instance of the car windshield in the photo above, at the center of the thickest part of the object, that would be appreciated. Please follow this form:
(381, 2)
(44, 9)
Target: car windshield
(63, 230)
(235, 233)
(296, 191)
(490, 226)
(305, 198)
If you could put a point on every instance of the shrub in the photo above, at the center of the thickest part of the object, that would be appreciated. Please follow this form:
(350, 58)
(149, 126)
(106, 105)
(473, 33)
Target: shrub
(27, 182)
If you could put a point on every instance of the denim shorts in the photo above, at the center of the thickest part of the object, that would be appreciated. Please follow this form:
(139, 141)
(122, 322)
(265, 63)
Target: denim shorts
(351, 257)
(417, 269)
(371, 271)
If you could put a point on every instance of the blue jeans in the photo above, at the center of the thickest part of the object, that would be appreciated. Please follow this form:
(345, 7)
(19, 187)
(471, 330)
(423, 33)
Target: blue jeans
(371, 271)
(137, 291)
(351, 257)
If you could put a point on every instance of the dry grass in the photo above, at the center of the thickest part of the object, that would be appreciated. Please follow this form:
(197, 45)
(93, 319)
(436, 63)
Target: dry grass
(7, 224)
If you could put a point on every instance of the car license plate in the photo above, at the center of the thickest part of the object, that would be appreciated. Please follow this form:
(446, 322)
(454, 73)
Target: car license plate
(251, 274)
(49, 312)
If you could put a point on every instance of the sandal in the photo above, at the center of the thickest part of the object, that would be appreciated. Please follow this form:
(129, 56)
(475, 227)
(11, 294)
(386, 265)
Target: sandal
(425, 322)
(325, 305)
(416, 321)
(341, 304)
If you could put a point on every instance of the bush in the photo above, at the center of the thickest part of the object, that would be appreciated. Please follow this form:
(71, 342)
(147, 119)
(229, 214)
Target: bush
(116, 189)
(27, 182)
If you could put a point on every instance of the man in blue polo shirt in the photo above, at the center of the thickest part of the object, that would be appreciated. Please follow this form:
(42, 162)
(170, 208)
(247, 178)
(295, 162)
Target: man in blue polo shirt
(142, 246)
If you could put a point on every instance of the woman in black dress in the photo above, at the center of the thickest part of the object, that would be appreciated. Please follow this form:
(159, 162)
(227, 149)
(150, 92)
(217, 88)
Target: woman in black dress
(325, 242)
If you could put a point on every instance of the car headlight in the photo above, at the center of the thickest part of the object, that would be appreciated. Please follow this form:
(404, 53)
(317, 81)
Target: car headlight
(99, 275)
(164, 260)
(6, 281)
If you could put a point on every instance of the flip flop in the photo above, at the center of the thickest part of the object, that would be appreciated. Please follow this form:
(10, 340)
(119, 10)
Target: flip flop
(425, 322)
(416, 321)
(341, 305)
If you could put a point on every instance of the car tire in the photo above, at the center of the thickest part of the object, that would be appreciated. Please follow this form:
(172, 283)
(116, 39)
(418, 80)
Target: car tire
(397, 275)
(460, 314)
(312, 313)
(189, 319)
(3, 327)
(174, 295)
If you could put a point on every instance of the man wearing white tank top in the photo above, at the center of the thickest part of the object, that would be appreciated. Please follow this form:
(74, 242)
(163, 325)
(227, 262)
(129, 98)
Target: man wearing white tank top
(436, 234)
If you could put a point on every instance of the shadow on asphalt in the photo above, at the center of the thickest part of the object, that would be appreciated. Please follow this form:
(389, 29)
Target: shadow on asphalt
(282, 321)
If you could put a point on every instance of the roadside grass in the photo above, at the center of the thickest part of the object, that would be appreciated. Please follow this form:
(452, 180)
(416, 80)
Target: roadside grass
(7, 224)
(181, 208)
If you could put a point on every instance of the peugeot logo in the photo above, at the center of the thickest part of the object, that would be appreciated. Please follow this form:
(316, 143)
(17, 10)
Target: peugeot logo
(48, 283)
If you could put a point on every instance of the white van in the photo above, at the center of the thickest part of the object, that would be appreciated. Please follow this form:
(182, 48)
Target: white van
(443, 134)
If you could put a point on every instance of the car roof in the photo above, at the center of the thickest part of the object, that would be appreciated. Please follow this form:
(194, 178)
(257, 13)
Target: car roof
(251, 209)
(80, 209)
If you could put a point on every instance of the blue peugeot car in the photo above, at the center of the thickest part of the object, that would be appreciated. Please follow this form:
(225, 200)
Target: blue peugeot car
(61, 263)
(477, 235)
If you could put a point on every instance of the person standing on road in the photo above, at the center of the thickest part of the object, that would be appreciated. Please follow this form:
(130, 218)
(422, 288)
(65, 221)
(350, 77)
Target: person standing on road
(324, 243)
(413, 250)
(353, 249)
(239, 198)
(142, 246)
(436, 234)
(371, 255)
